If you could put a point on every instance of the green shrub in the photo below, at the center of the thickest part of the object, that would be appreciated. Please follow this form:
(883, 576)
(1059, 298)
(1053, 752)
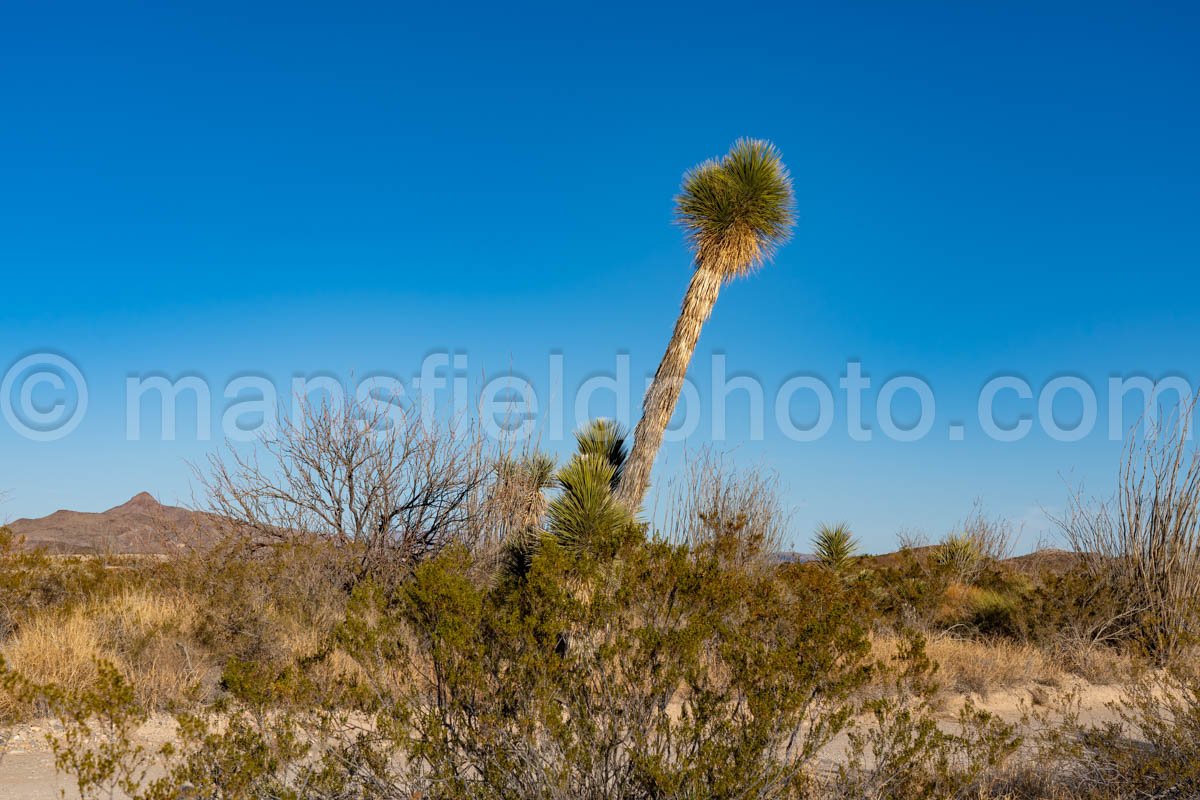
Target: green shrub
(1075, 609)
(1151, 749)
(910, 592)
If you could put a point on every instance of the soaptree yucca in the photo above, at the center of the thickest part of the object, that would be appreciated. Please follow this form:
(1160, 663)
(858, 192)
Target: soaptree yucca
(735, 211)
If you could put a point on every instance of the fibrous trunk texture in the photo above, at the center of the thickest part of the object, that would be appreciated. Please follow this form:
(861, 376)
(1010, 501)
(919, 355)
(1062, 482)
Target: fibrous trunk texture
(663, 394)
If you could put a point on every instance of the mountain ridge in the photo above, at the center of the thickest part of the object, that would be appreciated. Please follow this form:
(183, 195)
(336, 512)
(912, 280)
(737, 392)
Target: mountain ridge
(141, 525)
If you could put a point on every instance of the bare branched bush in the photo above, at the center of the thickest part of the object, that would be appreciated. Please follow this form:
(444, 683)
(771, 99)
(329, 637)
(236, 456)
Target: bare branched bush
(387, 489)
(993, 536)
(711, 499)
(1145, 542)
(911, 539)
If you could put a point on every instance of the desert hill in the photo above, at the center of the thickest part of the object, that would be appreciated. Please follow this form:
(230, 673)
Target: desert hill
(1043, 560)
(142, 525)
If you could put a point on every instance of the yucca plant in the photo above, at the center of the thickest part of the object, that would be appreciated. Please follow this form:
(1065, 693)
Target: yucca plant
(835, 546)
(517, 493)
(604, 439)
(584, 516)
(960, 554)
(735, 212)
(518, 501)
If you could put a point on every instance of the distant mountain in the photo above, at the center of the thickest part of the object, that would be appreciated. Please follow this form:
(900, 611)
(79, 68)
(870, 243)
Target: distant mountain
(143, 525)
(1033, 564)
(792, 557)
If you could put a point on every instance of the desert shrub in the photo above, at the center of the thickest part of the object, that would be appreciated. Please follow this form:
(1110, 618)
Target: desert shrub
(902, 752)
(911, 591)
(32, 581)
(999, 603)
(1076, 614)
(1152, 749)
(1145, 543)
(255, 602)
(686, 675)
(711, 496)
(377, 482)
(995, 614)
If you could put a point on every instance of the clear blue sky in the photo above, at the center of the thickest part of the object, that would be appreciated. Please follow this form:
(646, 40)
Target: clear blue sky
(287, 189)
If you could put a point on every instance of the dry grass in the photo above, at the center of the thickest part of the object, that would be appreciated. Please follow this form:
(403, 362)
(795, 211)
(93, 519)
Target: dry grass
(147, 636)
(1096, 664)
(973, 667)
(967, 666)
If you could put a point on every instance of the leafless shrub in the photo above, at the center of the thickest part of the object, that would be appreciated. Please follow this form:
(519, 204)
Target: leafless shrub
(1145, 542)
(385, 488)
(711, 499)
(911, 539)
(993, 536)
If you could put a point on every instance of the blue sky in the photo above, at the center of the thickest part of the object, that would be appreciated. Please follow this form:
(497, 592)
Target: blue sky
(293, 189)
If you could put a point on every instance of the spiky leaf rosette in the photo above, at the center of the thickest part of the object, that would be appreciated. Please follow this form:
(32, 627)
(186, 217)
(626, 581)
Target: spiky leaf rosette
(961, 554)
(737, 210)
(605, 439)
(585, 517)
(835, 545)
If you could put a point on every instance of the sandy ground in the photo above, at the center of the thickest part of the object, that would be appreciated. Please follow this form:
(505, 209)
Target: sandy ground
(27, 765)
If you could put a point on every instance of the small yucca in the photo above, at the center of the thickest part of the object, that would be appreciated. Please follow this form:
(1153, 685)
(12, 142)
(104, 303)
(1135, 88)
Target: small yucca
(961, 554)
(583, 516)
(835, 546)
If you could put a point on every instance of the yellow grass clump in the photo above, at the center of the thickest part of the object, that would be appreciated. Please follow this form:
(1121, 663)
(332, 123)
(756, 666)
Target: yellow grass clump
(145, 635)
(968, 666)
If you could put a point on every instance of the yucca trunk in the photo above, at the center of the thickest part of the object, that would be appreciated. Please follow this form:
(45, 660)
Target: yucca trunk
(659, 404)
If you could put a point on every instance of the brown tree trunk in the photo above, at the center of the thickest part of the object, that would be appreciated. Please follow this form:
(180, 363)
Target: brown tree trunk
(663, 394)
